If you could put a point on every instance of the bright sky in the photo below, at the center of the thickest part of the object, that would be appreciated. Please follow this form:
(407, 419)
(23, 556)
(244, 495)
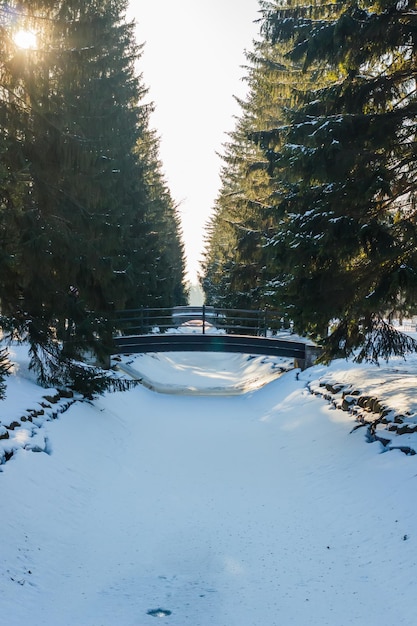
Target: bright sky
(192, 64)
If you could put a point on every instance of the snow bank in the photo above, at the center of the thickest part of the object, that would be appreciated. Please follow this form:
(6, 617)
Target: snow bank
(191, 373)
(382, 398)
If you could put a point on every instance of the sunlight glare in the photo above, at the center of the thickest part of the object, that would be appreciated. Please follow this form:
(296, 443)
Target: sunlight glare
(25, 39)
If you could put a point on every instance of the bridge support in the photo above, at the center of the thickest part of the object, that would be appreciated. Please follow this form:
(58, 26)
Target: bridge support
(312, 353)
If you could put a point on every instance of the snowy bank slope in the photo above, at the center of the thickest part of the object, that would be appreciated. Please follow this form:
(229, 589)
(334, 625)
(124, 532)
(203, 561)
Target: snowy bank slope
(216, 373)
(250, 510)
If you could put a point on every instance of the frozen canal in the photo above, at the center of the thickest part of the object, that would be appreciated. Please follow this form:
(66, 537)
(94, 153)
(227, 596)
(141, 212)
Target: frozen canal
(244, 510)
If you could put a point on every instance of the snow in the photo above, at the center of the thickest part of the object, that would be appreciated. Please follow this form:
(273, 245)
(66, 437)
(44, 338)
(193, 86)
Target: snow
(180, 373)
(264, 507)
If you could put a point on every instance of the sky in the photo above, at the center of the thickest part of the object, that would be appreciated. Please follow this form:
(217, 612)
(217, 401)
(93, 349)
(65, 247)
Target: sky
(193, 66)
(265, 507)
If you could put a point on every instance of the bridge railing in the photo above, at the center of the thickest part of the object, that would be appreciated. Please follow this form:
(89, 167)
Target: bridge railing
(143, 321)
(244, 331)
(260, 323)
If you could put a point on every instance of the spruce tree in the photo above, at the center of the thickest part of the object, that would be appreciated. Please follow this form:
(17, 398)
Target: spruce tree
(350, 240)
(160, 275)
(335, 238)
(246, 269)
(78, 228)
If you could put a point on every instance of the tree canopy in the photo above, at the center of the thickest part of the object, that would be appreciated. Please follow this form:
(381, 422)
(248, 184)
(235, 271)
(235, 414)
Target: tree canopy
(87, 223)
(337, 231)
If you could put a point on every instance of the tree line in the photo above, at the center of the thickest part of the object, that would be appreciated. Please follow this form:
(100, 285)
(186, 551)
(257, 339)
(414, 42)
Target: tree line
(87, 223)
(316, 214)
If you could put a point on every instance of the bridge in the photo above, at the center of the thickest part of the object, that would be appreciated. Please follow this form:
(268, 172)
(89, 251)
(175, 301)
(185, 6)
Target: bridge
(206, 329)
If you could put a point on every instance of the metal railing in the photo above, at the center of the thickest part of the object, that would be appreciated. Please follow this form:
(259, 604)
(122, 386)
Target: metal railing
(241, 330)
(258, 323)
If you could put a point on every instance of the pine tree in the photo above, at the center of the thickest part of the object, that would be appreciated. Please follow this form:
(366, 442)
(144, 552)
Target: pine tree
(79, 128)
(160, 281)
(14, 193)
(234, 262)
(78, 228)
(350, 240)
(332, 106)
(246, 270)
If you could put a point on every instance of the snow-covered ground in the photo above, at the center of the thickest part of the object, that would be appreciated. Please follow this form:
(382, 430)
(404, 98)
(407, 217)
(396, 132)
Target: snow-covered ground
(264, 508)
(215, 373)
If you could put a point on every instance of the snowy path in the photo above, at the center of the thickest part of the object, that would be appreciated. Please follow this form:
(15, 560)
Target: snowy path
(256, 510)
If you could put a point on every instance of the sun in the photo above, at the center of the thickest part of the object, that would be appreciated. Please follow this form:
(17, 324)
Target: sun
(25, 39)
